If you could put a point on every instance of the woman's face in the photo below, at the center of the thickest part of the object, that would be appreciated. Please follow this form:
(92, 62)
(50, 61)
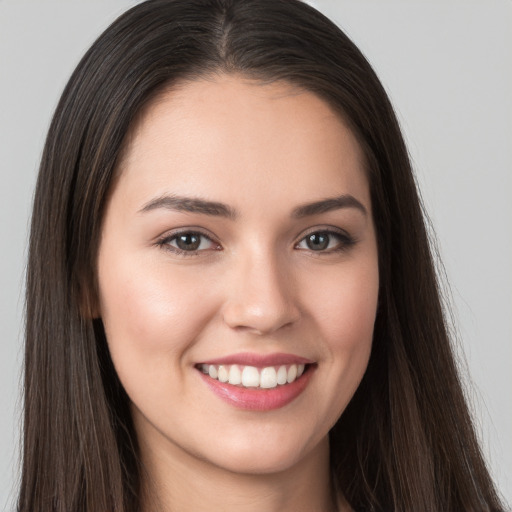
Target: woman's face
(238, 274)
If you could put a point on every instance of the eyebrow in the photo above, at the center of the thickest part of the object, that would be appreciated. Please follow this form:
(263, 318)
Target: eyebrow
(202, 206)
(327, 205)
(191, 205)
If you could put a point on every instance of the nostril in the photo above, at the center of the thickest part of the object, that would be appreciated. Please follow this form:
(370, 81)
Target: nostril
(259, 319)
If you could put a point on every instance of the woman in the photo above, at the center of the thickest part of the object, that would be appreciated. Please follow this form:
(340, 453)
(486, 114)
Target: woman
(230, 285)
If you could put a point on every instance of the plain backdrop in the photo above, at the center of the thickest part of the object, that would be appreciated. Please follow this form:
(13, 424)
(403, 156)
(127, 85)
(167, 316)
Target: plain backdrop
(447, 66)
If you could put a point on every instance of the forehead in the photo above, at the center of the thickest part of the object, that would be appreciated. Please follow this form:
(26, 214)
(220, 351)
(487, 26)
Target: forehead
(215, 136)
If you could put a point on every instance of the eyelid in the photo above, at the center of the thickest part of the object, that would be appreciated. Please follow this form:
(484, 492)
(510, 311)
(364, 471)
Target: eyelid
(346, 239)
(163, 240)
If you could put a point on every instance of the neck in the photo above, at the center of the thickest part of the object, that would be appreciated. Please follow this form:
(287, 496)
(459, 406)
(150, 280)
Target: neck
(179, 481)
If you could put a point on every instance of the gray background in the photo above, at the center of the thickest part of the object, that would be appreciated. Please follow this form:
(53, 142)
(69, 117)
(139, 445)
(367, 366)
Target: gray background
(448, 68)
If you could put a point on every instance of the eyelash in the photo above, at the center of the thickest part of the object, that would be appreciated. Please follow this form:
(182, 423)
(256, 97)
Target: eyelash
(345, 241)
(165, 242)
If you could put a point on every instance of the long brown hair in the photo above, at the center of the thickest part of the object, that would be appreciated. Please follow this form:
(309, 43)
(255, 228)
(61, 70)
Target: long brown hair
(405, 442)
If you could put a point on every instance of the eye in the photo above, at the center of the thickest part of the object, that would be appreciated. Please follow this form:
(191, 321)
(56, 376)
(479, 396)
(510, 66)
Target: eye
(188, 242)
(325, 241)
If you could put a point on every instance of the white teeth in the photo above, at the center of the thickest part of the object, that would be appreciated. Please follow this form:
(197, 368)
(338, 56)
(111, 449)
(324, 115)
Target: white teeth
(268, 378)
(252, 377)
(223, 375)
(281, 375)
(235, 375)
(292, 373)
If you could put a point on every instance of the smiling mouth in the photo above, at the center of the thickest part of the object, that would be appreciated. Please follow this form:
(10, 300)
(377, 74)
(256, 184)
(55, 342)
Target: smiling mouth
(253, 377)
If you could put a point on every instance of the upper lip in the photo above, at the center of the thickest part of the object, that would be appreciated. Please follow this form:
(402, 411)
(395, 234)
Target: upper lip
(259, 360)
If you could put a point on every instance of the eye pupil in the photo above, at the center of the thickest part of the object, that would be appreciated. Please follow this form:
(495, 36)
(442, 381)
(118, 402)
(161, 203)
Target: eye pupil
(188, 241)
(317, 241)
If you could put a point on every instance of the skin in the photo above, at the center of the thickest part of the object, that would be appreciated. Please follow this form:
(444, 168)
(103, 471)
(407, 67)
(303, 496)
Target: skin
(253, 286)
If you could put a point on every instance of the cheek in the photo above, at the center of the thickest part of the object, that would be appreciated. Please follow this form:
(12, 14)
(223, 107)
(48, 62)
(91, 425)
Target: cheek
(347, 307)
(148, 312)
(345, 314)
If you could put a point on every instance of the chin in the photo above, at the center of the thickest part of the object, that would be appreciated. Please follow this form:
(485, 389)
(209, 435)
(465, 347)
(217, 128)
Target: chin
(260, 458)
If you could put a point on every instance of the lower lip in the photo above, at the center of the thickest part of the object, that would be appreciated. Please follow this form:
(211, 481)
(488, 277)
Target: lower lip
(257, 399)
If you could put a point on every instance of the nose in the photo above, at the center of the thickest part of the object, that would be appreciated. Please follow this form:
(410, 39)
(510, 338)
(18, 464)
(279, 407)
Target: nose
(261, 296)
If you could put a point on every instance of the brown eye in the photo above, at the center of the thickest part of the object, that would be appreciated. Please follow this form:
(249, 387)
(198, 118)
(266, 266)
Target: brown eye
(188, 241)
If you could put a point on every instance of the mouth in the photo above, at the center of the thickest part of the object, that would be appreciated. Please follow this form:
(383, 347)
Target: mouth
(267, 383)
(253, 377)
